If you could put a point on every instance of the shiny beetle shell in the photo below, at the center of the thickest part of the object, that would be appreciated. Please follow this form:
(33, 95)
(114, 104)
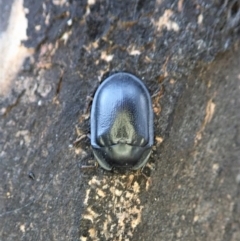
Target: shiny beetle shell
(122, 123)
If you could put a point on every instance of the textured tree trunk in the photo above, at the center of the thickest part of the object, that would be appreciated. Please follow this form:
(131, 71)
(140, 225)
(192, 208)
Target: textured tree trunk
(187, 54)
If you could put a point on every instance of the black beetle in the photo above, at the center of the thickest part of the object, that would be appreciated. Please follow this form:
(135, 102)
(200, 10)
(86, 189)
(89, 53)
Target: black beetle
(122, 123)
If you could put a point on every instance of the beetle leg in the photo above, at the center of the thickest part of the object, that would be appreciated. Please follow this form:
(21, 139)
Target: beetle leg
(88, 104)
(79, 139)
(85, 167)
(142, 173)
(148, 178)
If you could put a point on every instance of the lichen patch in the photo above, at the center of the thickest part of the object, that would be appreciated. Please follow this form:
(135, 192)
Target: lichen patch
(113, 208)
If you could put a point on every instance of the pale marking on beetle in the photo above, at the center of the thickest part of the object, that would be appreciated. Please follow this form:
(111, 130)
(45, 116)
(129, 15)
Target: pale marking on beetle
(121, 211)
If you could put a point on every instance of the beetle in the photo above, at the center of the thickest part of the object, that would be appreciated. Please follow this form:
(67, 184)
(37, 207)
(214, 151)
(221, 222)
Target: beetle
(122, 123)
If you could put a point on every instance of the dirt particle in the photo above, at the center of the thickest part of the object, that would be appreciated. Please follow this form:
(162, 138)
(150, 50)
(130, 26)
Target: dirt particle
(159, 139)
(166, 22)
(22, 228)
(200, 19)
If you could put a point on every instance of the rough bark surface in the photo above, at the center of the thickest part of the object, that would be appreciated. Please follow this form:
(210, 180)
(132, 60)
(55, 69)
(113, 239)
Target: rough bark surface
(188, 55)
